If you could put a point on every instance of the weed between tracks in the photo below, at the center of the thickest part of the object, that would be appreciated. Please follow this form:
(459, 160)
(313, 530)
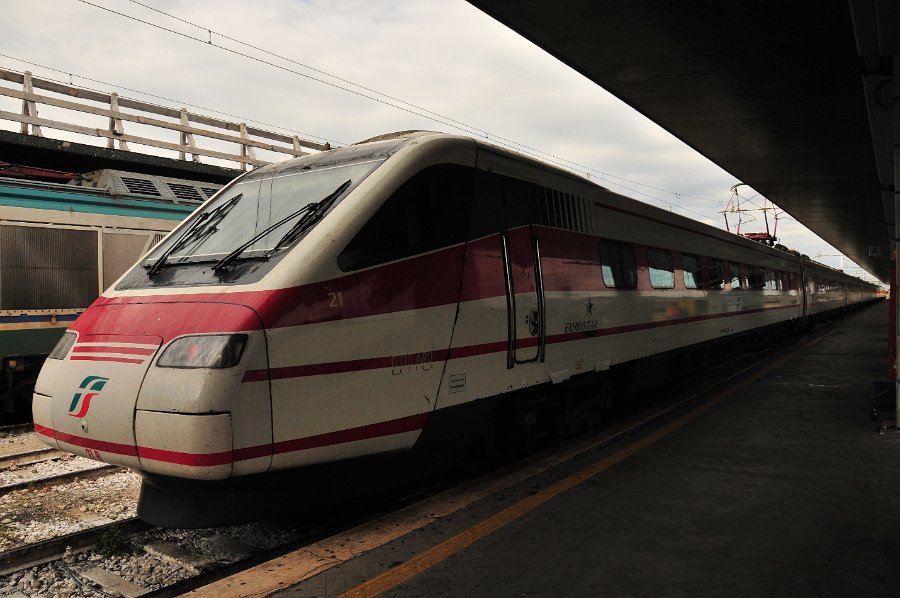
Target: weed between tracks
(113, 543)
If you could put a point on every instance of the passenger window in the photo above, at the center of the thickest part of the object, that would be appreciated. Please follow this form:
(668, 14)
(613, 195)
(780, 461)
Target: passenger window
(617, 265)
(662, 269)
(426, 213)
(773, 281)
(756, 279)
(693, 272)
(734, 273)
(716, 275)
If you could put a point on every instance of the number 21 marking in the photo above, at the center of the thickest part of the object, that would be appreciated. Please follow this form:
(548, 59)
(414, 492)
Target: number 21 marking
(337, 300)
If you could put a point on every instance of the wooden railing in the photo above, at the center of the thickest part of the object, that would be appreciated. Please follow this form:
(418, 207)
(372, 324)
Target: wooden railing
(247, 138)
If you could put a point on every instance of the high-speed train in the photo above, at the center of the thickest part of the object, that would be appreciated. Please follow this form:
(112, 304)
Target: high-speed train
(409, 293)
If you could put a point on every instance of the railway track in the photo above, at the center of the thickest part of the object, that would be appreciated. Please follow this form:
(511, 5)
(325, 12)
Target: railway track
(25, 462)
(132, 558)
(30, 457)
(52, 549)
(80, 474)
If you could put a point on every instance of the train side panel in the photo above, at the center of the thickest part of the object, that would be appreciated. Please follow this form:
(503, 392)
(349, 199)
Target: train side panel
(590, 324)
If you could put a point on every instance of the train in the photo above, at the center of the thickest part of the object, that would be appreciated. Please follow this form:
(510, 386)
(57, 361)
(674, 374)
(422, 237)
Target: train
(407, 297)
(64, 238)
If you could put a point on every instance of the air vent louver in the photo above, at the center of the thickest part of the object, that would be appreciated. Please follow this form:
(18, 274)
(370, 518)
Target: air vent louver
(141, 186)
(185, 192)
(120, 183)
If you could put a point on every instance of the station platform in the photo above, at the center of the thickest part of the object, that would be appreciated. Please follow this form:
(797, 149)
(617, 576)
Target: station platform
(775, 484)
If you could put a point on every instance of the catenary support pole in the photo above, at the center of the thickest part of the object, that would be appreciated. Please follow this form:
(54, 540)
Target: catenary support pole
(895, 104)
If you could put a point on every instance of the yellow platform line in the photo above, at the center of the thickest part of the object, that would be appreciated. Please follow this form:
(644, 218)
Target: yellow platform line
(305, 563)
(441, 552)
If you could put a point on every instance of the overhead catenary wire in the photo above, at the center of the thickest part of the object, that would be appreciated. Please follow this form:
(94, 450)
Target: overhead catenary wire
(533, 152)
(470, 127)
(277, 66)
(369, 93)
(181, 102)
(250, 120)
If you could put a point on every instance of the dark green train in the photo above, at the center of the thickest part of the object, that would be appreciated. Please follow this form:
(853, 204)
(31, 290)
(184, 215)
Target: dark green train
(66, 236)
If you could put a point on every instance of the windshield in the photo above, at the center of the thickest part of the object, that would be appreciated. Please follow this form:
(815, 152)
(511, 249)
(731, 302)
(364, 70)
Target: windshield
(248, 208)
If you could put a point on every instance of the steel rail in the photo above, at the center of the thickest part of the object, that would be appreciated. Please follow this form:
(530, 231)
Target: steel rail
(52, 549)
(87, 474)
(30, 457)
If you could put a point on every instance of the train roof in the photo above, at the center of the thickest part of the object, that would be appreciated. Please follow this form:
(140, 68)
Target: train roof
(383, 146)
(110, 192)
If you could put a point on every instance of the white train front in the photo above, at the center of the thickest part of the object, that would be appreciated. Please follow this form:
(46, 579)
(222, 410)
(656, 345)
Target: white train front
(389, 295)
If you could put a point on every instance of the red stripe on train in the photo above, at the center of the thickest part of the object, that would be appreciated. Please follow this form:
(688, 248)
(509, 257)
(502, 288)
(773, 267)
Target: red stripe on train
(161, 322)
(570, 264)
(402, 425)
(359, 294)
(103, 358)
(90, 443)
(119, 350)
(189, 459)
(374, 363)
(412, 423)
(89, 337)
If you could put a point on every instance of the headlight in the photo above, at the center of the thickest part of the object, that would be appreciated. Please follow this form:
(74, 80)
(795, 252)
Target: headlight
(215, 351)
(63, 345)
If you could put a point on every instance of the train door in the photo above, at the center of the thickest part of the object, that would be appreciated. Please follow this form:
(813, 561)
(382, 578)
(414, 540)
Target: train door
(524, 286)
(804, 289)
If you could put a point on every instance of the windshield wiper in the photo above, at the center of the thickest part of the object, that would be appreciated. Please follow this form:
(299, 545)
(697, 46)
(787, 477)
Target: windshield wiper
(315, 214)
(313, 211)
(211, 218)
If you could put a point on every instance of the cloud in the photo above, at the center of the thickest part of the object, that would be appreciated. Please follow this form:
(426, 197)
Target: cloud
(440, 56)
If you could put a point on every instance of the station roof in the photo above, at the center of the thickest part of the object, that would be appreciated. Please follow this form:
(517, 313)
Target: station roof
(792, 98)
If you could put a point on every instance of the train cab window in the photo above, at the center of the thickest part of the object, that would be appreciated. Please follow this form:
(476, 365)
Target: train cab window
(427, 212)
(661, 265)
(617, 265)
(693, 271)
(716, 275)
(756, 279)
(734, 274)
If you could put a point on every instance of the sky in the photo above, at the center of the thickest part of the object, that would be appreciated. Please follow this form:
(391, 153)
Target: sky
(347, 70)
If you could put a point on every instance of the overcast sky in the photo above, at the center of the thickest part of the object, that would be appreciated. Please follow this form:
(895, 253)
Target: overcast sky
(442, 56)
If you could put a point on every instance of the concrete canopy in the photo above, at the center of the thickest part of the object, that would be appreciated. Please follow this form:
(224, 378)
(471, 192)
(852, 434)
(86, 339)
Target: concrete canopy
(792, 98)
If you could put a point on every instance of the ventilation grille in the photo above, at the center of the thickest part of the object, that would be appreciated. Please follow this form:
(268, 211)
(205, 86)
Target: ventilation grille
(47, 268)
(186, 192)
(140, 186)
(134, 184)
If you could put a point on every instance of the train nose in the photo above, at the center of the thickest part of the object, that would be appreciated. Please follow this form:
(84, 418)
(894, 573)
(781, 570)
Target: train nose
(159, 387)
(88, 407)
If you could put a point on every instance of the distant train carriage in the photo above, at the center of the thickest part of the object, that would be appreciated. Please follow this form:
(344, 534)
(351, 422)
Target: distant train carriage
(404, 295)
(60, 246)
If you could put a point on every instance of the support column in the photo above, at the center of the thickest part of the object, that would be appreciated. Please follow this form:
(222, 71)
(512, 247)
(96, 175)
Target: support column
(894, 106)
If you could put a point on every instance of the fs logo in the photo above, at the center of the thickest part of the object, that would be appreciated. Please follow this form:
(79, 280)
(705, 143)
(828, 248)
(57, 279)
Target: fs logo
(89, 388)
